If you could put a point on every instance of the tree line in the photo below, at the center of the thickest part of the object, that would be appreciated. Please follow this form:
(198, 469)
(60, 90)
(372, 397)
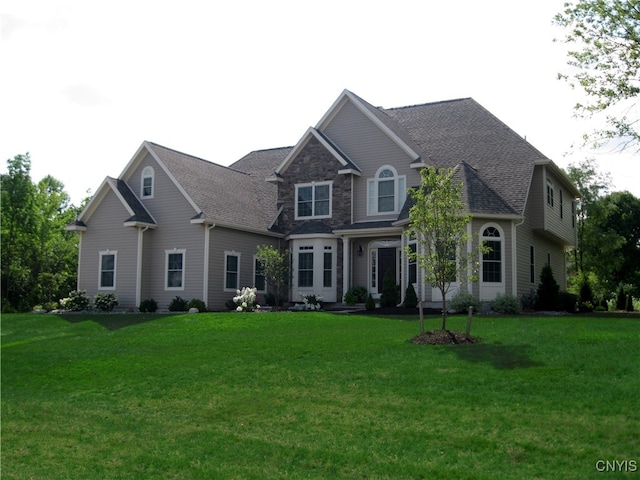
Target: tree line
(39, 257)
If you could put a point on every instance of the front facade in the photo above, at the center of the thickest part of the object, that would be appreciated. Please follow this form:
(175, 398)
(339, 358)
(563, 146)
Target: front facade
(174, 225)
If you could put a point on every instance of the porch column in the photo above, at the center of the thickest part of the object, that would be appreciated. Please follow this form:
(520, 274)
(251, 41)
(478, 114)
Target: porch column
(346, 260)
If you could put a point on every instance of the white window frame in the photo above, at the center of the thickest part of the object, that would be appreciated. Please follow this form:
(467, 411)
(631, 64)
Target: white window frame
(225, 271)
(502, 241)
(399, 187)
(174, 251)
(102, 254)
(313, 186)
(147, 172)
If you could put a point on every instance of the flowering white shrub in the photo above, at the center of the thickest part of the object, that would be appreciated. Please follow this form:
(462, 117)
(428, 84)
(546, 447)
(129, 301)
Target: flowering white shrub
(246, 300)
(312, 302)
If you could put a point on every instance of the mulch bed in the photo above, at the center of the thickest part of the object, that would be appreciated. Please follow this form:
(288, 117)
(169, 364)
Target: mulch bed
(443, 337)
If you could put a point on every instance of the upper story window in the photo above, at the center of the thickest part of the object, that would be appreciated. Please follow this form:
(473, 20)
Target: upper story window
(146, 183)
(386, 192)
(313, 200)
(561, 205)
(550, 193)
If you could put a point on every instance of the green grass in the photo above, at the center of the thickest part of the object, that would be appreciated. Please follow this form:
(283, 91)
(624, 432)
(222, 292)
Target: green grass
(316, 395)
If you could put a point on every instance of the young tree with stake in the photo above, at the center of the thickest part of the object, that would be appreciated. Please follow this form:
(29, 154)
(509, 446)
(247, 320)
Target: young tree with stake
(439, 222)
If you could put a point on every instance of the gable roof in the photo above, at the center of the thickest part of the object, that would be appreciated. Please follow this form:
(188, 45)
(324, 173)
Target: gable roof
(347, 165)
(224, 195)
(139, 215)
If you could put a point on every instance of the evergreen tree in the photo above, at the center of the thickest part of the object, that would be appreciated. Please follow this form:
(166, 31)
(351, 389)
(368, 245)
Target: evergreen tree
(548, 297)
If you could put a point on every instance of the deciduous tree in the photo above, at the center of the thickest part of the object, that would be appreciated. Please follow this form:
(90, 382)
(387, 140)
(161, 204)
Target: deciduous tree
(604, 55)
(439, 222)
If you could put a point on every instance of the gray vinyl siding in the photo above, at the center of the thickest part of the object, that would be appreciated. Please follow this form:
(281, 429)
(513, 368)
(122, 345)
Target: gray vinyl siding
(478, 225)
(105, 231)
(173, 214)
(560, 225)
(366, 145)
(243, 243)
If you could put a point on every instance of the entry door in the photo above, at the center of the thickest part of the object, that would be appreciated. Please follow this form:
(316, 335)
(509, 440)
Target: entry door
(386, 261)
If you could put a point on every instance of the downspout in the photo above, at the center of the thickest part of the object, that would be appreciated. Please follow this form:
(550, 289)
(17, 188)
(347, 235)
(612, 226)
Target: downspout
(139, 265)
(514, 257)
(79, 261)
(205, 280)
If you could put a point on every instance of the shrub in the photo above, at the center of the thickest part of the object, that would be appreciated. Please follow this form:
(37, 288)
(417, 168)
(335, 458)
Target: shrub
(370, 303)
(461, 302)
(355, 295)
(506, 304)
(105, 301)
(148, 306)
(389, 297)
(245, 300)
(196, 303)
(586, 294)
(569, 301)
(410, 297)
(629, 307)
(178, 304)
(621, 300)
(548, 294)
(312, 302)
(76, 301)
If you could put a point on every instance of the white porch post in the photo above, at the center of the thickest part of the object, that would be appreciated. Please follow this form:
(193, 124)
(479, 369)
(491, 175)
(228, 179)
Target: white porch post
(346, 260)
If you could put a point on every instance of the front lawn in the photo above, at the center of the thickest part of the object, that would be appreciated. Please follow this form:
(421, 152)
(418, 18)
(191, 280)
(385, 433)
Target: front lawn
(317, 395)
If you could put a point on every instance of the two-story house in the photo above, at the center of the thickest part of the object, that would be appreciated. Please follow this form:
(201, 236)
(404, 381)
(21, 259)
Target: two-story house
(172, 224)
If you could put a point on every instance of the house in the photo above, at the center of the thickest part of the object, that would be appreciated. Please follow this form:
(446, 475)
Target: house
(176, 225)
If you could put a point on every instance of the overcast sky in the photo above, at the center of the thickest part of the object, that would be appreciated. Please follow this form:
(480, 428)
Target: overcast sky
(84, 83)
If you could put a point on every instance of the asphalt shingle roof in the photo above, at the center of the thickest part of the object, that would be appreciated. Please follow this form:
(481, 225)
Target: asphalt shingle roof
(455, 131)
(224, 194)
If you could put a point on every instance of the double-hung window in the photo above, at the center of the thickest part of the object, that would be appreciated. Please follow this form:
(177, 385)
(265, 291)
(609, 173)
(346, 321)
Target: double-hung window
(313, 200)
(550, 193)
(174, 273)
(386, 192)
(231, 271)
(305, 266)
(146, 183)
(492, 260)
(108, 270)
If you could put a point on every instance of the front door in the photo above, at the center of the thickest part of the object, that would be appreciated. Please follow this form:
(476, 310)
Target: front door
(387, 262)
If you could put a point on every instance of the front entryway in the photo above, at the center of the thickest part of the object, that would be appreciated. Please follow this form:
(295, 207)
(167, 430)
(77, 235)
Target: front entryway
(386, 263)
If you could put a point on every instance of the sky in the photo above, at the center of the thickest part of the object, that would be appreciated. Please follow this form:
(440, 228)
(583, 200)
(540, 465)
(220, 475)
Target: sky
(83, 83)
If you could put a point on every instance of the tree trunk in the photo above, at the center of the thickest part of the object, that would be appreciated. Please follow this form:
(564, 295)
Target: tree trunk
(444, 309)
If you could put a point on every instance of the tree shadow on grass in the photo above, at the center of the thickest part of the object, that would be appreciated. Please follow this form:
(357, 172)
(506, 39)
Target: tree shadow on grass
(504, 357)
(114, 321)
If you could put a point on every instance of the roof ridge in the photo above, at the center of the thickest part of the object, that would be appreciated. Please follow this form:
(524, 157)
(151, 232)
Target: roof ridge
(196, 158)
(427, 103)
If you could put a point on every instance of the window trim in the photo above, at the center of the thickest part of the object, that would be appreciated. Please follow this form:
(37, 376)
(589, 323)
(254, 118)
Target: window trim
(147, 172)
(399, 184)
(101, 254)
(502, 240)
(173, 251)
(228, 254)
(313, 186)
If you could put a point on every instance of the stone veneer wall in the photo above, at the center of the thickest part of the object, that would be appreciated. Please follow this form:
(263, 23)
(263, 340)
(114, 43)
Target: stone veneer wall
(316, 164)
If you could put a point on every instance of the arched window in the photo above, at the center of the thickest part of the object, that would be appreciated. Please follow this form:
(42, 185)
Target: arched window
(386, 191)
(146, 183)
(492, 260)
